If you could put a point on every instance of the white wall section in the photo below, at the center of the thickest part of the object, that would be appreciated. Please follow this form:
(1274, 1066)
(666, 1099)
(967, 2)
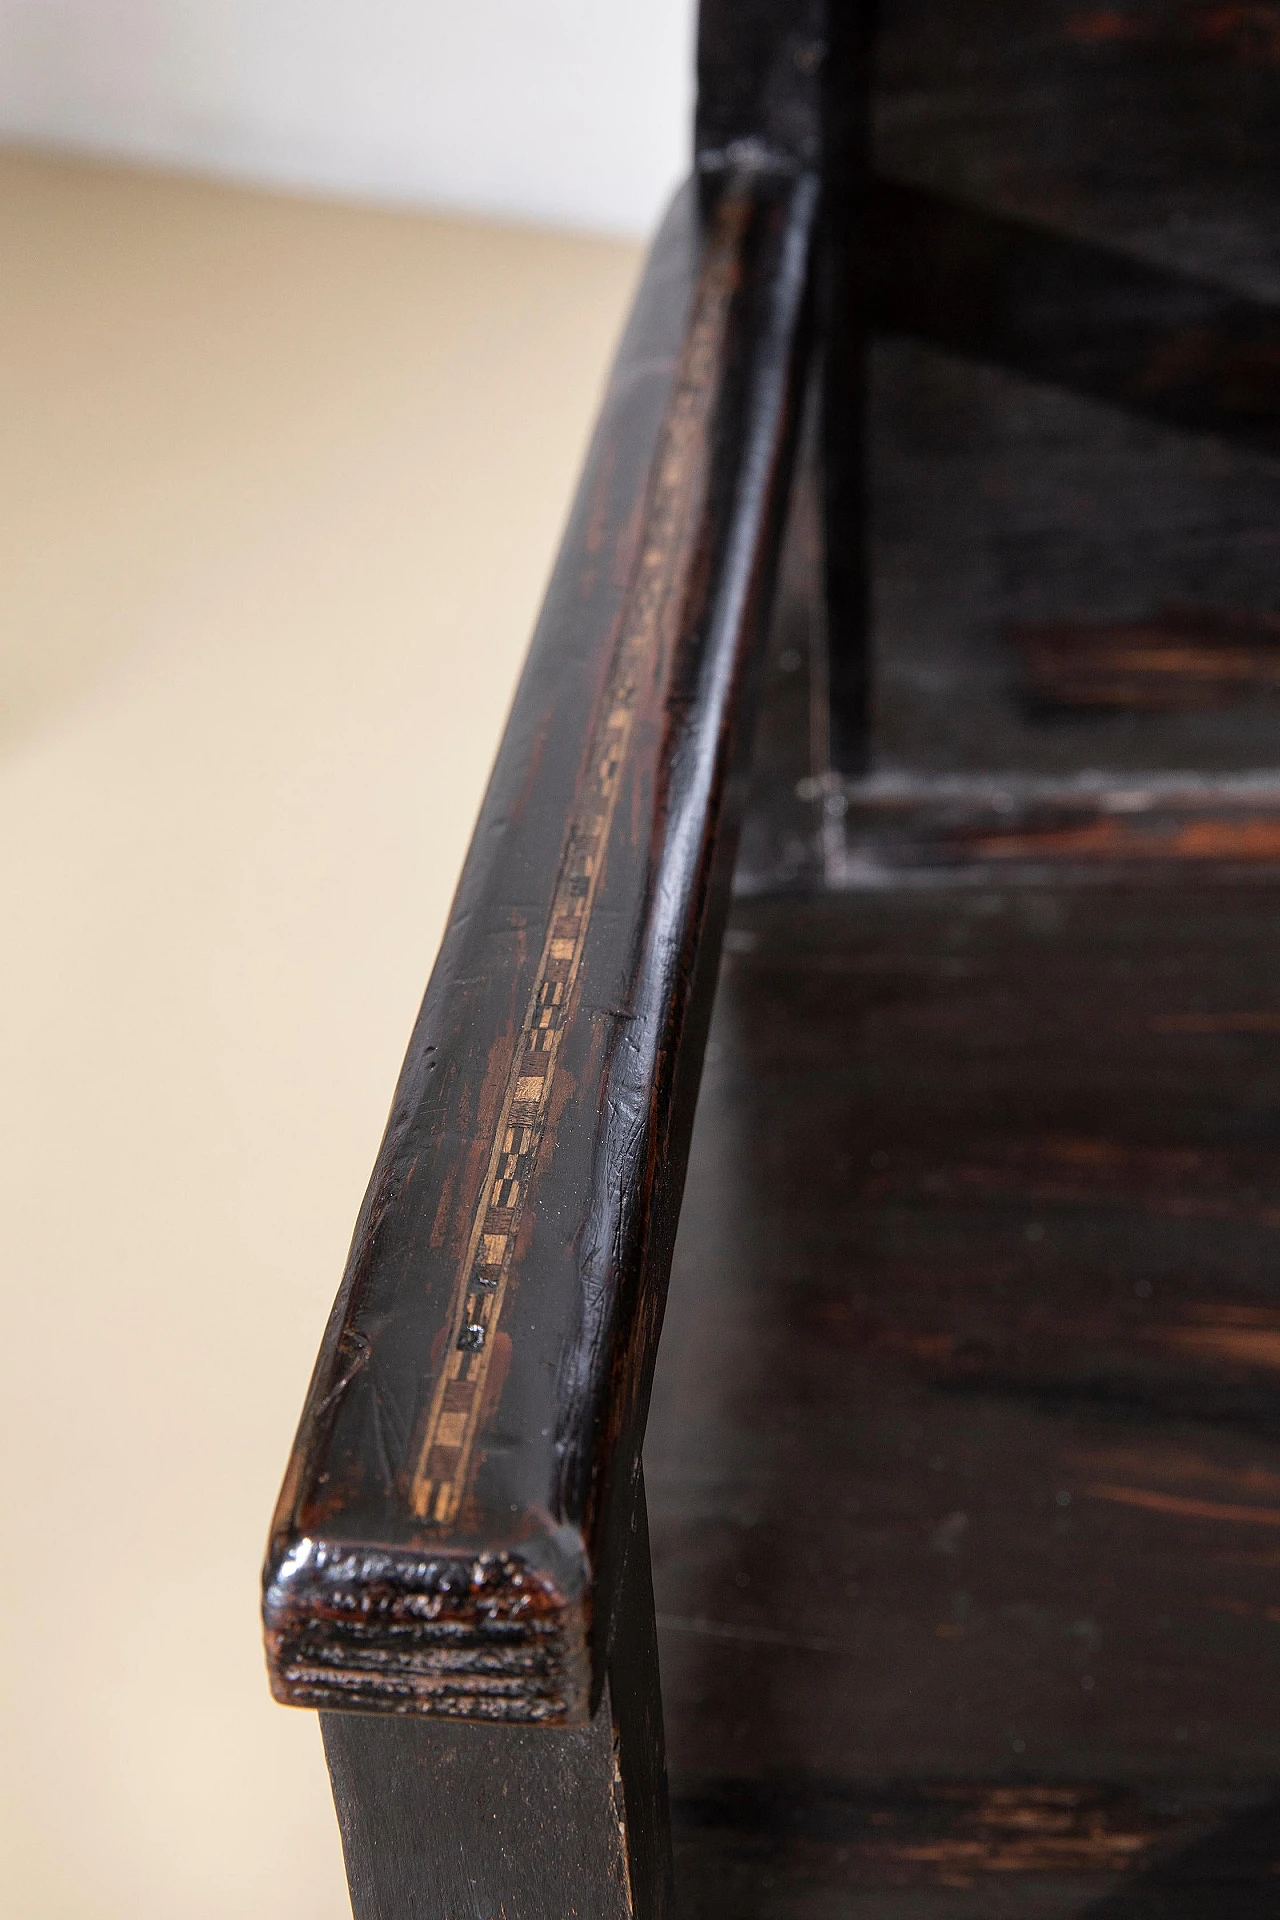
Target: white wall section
(567, 112)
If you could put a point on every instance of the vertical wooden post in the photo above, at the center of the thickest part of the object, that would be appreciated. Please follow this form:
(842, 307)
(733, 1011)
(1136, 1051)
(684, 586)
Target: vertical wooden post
(635, 1698)
(442, 1819)
(787, 84)
(844, 321)
(446, 1820)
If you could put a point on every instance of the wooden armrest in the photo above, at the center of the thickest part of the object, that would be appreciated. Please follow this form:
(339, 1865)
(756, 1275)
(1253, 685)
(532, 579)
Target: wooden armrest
(450, 1533)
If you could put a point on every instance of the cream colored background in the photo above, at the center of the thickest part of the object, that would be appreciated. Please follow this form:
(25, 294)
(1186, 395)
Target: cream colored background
(281, 483)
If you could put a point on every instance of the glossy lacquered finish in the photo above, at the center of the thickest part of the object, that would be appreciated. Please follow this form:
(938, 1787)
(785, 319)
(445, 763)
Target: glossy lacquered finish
(962, 1464)
(445, 1540)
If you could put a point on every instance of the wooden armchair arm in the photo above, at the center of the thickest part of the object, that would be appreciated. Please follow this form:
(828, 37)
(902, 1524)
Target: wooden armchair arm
(451, 1531)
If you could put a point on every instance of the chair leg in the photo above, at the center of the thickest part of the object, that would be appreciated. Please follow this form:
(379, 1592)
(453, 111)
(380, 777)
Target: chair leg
(635, 1692)
(443, 1820)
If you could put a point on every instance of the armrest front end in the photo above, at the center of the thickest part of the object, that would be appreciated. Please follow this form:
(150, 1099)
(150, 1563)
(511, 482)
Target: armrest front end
(450, 1533)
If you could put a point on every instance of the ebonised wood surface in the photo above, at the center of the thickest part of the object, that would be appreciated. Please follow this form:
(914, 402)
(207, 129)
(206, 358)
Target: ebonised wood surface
(964, 1456)
(1075, 386)
(963, 1465)
(534, 1823)
(449, 1534)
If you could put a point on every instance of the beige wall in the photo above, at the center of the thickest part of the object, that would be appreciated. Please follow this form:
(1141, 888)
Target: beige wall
(281, 484)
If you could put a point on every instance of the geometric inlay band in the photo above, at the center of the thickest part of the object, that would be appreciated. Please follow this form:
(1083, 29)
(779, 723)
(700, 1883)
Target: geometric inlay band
(651, 610)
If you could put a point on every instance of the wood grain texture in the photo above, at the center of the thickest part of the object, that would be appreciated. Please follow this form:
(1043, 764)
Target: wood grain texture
(442, 1470)
(1073, 407)
(452, 1526)
(790, 86)
(848, 240)
(963, 1461)
(964, 1456)
(530, 1822)
(1183, 658)
(1146, 831)
(442, 1819)
(1170, 345)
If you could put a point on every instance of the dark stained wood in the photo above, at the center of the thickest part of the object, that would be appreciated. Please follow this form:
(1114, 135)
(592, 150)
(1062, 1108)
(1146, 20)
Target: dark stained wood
(1177, 348)
(964, 1457)
(1073, 394)
(441, 1818)
(1151, 832)
(848, 239)
(965, 1450)
(535, 1823)
(1158, 139)
(780, 847)
(635, 1694)
(790, 86)
(462, 1531)
(450, 1533)
(1185, 658)
(760, 84)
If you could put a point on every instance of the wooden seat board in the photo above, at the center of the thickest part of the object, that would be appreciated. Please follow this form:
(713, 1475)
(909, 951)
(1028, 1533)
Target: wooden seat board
(964, 1457)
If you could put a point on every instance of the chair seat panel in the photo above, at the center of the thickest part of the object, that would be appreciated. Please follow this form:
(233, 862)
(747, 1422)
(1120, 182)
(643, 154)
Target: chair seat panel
(964, 1457)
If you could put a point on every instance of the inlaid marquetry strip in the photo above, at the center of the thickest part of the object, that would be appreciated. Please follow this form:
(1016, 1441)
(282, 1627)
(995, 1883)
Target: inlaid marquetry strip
(651, 610)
